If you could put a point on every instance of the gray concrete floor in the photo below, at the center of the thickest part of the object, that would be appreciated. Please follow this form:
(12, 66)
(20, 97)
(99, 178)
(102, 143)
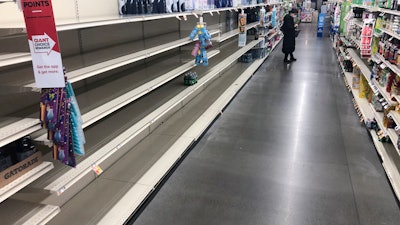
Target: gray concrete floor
(289, 150)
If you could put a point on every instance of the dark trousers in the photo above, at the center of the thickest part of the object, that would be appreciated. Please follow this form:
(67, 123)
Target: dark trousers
(287, 54)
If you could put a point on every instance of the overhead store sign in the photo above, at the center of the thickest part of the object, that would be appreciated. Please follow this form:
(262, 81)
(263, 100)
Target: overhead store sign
(43, 43)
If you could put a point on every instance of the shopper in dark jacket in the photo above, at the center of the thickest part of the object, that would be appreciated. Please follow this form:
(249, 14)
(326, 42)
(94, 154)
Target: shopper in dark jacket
(289, 35)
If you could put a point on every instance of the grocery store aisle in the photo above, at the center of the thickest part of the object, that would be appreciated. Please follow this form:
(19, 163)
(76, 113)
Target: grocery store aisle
(288, 150)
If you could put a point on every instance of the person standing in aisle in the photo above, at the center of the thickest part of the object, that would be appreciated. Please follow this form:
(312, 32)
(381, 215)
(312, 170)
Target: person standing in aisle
(289, 35)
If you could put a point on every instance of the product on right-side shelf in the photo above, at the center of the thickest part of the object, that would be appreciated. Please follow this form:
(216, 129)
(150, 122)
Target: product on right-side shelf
(364, 88)
(190, 78)
(366, 38)
(356, 78)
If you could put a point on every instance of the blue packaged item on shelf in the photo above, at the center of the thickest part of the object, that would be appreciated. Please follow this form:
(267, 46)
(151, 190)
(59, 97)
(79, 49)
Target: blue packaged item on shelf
(190, 78)
(247, 57)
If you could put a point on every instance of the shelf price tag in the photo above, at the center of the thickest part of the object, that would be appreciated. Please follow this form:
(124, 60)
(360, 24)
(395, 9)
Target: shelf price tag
(61, 190)
(96, 169)
(43, 43)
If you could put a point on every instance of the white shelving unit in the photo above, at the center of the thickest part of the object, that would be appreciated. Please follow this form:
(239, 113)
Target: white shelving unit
(73, 24)
(18, 129)
(364, 69)
(389, 152)
(8, 59)
(358, 23)
(121, 101)
(392, 67)
(391, 33)
(377, 9)
(28, 213)
(395, 69)
(73, 180)
(234, 32)
(67, 180)
(27, 126)
(383, 92)
(96, 69)
(141, 189)
(355, 41)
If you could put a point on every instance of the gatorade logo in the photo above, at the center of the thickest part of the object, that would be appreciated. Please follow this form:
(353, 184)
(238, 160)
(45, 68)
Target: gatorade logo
(36, 4)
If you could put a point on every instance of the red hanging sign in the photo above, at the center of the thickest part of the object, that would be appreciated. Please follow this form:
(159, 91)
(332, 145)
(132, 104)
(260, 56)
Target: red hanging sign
(43, 43)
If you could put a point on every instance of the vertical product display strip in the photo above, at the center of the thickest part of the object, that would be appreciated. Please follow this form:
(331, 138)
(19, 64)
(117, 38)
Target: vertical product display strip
(242, 29)
(43, 43)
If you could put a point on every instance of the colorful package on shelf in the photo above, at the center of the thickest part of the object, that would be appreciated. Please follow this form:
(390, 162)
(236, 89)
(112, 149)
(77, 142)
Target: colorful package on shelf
(204, 36)
(390, 82)
(61, 116)
(378, 24)
(190, 78)
(375, 45)
(134, 7)
(387, 119)
(396, 86)
(371, 124)
(383, 137)
(364, 88)
(355, 82)
(273, 17)
(61, 147)
(366, 38)
(76, 122)
(345, 8)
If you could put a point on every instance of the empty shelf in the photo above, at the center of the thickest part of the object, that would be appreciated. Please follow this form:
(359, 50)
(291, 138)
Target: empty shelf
(65, 177)
(26, 213)
(24, 180)
(15, 128)
(14, 58)
(155, 155)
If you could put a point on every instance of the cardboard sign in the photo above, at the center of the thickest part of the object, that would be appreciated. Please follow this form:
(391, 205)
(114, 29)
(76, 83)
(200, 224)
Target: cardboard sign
(14, 172)
(43, 43)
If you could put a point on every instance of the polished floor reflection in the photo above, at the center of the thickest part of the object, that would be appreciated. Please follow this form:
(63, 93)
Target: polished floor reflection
(289, 150)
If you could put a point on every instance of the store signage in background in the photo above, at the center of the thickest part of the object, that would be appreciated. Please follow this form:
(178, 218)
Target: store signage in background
(242, 29)
(43, 43)
(321, 24)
